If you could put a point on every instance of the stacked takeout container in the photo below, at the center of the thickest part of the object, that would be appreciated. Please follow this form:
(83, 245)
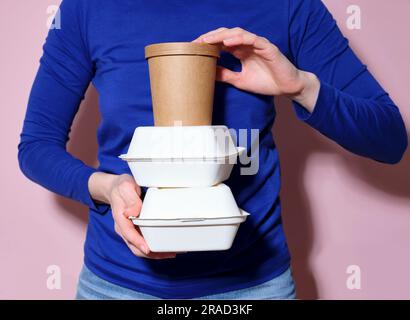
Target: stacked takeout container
(183, 159)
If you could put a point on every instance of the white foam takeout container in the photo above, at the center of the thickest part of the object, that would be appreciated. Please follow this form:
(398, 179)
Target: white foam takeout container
(181, 142)
(182, 172)
(191, 156)
(189, 219)
(190, 234)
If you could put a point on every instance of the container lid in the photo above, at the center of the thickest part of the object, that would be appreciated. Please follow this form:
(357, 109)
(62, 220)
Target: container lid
(216, 221)
(181, 48)
(181, 142)
(229, 158)
(186, 203)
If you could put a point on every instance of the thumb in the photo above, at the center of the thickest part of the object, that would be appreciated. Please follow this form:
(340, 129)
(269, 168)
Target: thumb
(131, 199)
(227, 76)
(134, 208)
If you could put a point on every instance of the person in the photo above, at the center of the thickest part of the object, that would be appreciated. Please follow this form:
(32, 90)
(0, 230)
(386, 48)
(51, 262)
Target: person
(291, 48)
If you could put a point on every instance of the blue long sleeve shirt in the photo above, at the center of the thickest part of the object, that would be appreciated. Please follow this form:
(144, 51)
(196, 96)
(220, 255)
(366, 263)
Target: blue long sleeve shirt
(102, 41)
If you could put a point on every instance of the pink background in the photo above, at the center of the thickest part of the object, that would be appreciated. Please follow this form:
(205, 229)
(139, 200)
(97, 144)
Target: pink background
(339, 209)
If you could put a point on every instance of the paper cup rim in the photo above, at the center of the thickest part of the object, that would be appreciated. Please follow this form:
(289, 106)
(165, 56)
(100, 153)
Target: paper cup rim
(181, 48)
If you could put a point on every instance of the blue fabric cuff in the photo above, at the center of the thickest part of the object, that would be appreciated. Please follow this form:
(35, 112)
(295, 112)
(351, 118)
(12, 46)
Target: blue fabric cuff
(324, 105)
(86, 199)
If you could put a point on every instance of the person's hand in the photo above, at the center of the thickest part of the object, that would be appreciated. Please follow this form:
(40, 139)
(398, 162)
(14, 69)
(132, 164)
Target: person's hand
(265, 70)
(123, 194)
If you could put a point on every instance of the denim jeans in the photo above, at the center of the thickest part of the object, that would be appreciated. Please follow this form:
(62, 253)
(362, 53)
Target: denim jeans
(92, 287)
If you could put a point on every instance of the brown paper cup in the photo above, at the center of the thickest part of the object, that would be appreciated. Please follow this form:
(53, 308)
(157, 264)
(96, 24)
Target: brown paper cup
(182, 76)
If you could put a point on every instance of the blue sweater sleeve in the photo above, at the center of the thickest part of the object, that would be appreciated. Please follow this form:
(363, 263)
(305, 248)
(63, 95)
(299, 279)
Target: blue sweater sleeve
(352, 108)
(64, 74)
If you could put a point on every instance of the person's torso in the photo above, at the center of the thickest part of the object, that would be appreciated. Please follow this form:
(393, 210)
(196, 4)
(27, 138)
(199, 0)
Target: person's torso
(116, 34)
(118, 31)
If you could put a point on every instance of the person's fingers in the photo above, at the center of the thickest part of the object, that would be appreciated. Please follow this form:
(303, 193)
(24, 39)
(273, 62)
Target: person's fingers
(130, 234)
(240, 39)
(131, 246)
(134, 249)
(261, 43)
(157, 255)
(243, 45)
(151, 255)
(133, 238)
(248, 39)
(117, 229)
(236, 40)
(201, 37)
(137, 189)
(228, 76)
(238, 52)
(220, 36)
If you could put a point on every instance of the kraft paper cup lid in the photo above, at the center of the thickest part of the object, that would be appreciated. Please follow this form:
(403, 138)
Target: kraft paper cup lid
(181, 48)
